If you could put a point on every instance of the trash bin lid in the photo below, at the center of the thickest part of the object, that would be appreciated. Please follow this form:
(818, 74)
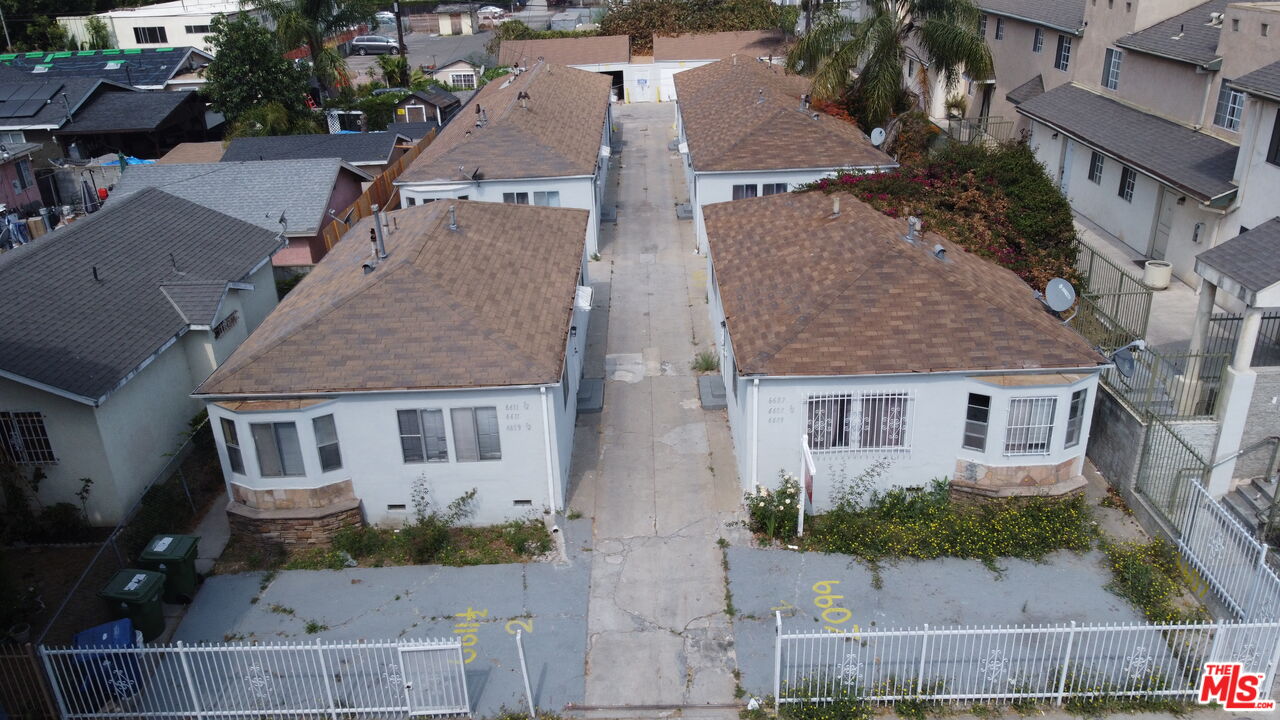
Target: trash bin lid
(131, 585)
(110, 635)
(170, 547)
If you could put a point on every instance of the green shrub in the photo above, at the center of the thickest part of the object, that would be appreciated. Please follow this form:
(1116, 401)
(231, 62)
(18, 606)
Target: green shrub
(361, 542)
(1147, 575)
(425, 540)
(527, 537)
(775, 513)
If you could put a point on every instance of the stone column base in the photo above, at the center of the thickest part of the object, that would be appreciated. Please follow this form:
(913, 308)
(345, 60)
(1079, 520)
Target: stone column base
(298, 526)
(974, 480)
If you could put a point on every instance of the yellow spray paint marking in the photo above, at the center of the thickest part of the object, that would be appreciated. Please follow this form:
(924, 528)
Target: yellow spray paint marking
(832, 614)
(468, 623)
(1197, 584)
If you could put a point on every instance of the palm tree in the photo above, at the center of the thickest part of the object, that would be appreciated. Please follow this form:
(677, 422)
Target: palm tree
(945, 32)
(310, 22)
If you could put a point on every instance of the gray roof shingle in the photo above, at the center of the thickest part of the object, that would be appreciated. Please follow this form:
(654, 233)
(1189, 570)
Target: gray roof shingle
(1250, 258)
(62, 328)
(1197, 163)
(1065, 15)
(1027, 90)
(147, 67)
(1186, 37)
(356, 148)
(1264, 81)
(52, 114)
(196, 301)
(128, 112)
(255, 192)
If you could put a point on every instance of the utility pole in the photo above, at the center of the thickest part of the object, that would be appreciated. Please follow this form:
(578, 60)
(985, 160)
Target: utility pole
(8, 44)
(404, 51)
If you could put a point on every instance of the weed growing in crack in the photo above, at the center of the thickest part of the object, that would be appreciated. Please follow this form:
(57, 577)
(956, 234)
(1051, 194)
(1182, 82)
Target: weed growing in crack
(729, 609)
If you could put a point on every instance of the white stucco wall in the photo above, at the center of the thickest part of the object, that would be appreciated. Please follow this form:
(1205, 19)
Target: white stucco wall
(1259, 180)
(121, 29)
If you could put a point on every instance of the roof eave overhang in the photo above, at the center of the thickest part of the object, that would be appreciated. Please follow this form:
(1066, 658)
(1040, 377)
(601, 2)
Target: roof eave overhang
(91, 402)
(1213, 65)
(883, 166)
(1262, 94)
(1078, 31)
(917, 373)
(1224, 282)
(407, 183)
(214, 396)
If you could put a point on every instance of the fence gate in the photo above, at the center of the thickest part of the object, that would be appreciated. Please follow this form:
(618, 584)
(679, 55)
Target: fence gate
(434, 683)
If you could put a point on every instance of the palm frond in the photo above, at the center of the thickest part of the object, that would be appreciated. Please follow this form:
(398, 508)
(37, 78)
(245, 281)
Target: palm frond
(952, 47)
(880, 84)
(816, 46)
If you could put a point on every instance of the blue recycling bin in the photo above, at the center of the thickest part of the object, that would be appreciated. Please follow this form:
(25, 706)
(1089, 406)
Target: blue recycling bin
(105, 676)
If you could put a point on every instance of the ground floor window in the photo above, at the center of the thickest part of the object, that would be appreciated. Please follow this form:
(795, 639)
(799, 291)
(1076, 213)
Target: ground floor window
(871, 421)
(1030, 427)
(279, 453)
(422, 437)
(231, 439)
(741, 192)
(327, 443)
(24, 440)
(516, 198)
(475, 434)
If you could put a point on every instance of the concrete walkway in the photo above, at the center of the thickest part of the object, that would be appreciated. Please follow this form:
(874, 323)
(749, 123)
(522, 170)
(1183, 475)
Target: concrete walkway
(659, 480)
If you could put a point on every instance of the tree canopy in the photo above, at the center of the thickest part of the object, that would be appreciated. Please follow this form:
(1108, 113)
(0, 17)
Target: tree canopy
(249, 71)
(642, 20)
(310, 22)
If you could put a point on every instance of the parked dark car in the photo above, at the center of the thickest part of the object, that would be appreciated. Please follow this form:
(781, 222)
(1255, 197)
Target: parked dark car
(374, 45)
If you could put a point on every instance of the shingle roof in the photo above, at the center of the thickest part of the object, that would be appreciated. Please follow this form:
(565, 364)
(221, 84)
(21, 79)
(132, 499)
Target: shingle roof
(78, 90)
(1251, 258)
(149, 67)
(486, 305)
(808, 294)
(255, 192)
(720, 45)
(729, 128)
(193, 152)
(567, 51)
(196, 301)
(436, 97)
(356, 148)
(1194, 162)
(128, 112)
(1265, 81)
(1196, 40)
(62, 328)
(415, 130)
(558, 135)
(1026, 91)
(1065, 15)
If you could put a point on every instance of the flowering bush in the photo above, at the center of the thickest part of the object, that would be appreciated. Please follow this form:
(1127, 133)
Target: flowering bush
(1147, 575)
(774, 513)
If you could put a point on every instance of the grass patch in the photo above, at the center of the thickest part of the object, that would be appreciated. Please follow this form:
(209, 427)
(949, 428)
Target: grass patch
(706, 361)
(1147, 575)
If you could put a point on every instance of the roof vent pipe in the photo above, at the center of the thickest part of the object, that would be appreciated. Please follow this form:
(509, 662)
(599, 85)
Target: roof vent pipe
(913, 229)
(835, 206)
(760, 96)
(804, 101)
(939, 251)
(379, 243)
(453, 217)
(373, 245)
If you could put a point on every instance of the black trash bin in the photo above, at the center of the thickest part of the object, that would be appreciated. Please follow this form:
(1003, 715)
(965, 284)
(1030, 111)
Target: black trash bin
(135, 594)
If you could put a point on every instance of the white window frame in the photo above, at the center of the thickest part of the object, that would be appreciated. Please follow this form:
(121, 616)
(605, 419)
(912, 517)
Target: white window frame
(1032, 435)
(1096, 163)
(745, 191)
(25, 439)
(546, 198)
(197, 29)
(1037, 41)
(463, 80)
(975, 427)
(1128, 178)
(12, 137)
(467, 444)
(838, 422)
(1230, 108)
(1062, 56)
(1111, 68)
(1075, 417)
(231, 441)
(515, 198)
(323, 443)
(774, 189)
(435, 452)
(278, 447)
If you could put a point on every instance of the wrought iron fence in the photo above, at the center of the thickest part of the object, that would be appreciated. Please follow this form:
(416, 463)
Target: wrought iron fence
(411, 678)
(24, 692)
(1224, 329)
(1115, 306)
(1009, 663)
(980, 129)
(1182, 386)
(1168, 468)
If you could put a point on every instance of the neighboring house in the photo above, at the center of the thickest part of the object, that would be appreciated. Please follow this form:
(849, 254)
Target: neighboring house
(167, 68)
(193, 152)
(459, 74)
(746, 129)
(17, 178)
(1159, 187)
(372, 152)
(169, 24)
(883, 349)
(141, 124)
(457, 19)
(672, 55)
(538, 137)
(607, 54)
(418, 370)
(106, 327)
(421, 106)
(31, 109)
(307, 193)
(1257, 171)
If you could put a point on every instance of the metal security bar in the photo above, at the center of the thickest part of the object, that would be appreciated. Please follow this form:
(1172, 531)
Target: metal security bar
(870, 423)
(1168, 469)
(1175, 386)
(280, 680)
(1030, 428)
(1224, 329)
(1022, 662)
(989, 129)
(24, 692)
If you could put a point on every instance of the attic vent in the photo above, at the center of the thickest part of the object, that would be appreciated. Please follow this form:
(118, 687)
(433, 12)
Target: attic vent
(913, 229)
(114, 65)
(760, 96)
(41, 68)
(940, 252)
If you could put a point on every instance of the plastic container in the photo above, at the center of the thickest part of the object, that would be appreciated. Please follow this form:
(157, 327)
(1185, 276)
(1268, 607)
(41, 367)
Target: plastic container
(135, 594)
(1156, 274)
(175, 556)
(105, 676)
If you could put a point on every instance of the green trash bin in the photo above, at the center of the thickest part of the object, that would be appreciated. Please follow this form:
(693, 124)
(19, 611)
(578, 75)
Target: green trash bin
(135, 594)
(175, 556)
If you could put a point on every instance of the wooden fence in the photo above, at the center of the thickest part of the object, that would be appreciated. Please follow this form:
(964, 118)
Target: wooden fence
(382, 192)
(24, 692)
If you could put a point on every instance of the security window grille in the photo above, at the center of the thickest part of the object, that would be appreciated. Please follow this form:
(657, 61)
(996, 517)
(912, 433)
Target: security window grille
(1273, 151)
(1037, 42)
(1095, 168)
(999, 28)
(982, 25)
(1111, 69)
(741, 192)
(465, 81)
(197, 29)
(227, 323)
(327, 443)
(1030, 428)
(1128, 176)
(475, 434)
(279, 454)
(422, 437)
(976, 421)
(231, 439)
(547, 199)
(774, 188)
(1230, 108)
(1075, 417)
(516, 198)
(23, 438)
(1062, 60)
(150, 35)
(867, 422)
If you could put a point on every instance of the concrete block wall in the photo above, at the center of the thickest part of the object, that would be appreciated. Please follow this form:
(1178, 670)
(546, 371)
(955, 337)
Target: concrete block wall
(1116, 442)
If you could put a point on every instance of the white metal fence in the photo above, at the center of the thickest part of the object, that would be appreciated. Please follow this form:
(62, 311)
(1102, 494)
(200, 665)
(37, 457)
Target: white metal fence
(1057, 662)
(280, 680)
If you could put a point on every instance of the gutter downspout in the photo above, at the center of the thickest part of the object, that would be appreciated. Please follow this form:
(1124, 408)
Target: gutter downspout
(755, 434)
(546, 437)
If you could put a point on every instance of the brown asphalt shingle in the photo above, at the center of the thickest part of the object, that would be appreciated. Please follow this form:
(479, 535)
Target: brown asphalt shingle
(720, 45)
(808, 294)
(558, 135)
(486, 305)
(744, 114)
(566, 51)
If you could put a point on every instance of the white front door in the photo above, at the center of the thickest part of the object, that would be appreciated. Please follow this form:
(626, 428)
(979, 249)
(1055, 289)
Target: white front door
(1064, 169)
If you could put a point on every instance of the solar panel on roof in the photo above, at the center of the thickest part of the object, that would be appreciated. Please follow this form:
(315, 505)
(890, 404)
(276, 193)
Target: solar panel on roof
(8, 56)
(29, 108)
(34, 55)
(132, 51)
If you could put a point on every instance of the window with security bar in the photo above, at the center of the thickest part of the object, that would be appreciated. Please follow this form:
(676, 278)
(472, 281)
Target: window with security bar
(1030, 427)
(866, 422)
(23, 438)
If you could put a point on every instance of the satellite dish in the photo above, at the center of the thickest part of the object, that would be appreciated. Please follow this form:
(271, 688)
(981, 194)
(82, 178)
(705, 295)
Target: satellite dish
(877, 137)
(1059, 295)
(1123, 358)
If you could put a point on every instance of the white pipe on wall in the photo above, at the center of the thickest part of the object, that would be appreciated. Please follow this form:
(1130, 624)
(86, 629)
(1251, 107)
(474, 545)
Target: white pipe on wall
(546, 437)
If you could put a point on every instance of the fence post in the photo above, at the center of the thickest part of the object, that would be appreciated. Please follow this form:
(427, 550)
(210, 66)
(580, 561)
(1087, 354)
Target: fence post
(777, 658)
(53, 681)
(41, 679)
(1066, 664)
(924, 653)
(1257, 582)
(191, 683)
(328, 689)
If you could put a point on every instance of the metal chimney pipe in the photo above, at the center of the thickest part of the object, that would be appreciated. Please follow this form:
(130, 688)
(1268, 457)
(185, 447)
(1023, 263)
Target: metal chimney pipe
(380, 246)
(453, 217)
(835, 206)
(373, 244)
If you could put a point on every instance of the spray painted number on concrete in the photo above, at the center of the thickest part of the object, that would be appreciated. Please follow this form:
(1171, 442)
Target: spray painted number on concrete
(832, 614)
(469, 622)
